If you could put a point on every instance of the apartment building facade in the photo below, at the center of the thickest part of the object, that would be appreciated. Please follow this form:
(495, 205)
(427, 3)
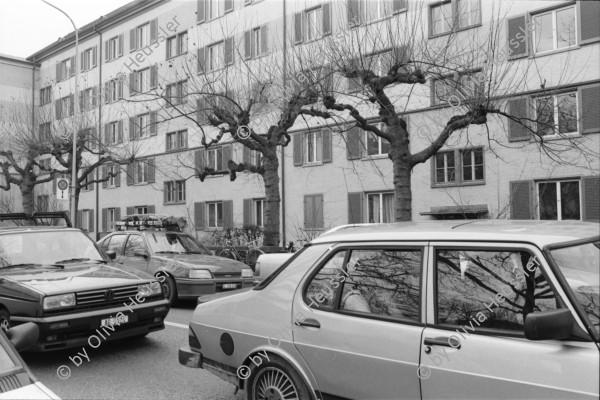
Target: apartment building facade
(331, 174)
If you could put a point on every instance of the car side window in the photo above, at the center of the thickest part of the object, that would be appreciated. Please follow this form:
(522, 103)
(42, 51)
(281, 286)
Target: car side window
(323, 287)
(114, 243)
(134, 242)
(492, 289)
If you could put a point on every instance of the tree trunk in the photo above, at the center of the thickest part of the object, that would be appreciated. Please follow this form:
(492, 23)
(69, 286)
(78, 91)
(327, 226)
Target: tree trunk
(273, 200)
(402, 189)
(28, 198)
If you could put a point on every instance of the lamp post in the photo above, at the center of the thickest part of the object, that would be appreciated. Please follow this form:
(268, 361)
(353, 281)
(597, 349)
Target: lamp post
(75, 119)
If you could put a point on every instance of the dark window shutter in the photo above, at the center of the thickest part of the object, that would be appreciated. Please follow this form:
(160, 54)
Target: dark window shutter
(120, 40)
(264, 39)
(91, 220)
(201, 111)
(118, 175)
(228, 5)
(132, 128)
(326, 134)
(154, 30)
(79, 218)
(200, 160)
(120, 131)
(228, 214)
(104, 176)
(107, 134)
(355, 208)
(590, 108)
(226, 157)
(247, 45)
(71, 104)
(57, 108)
(104, 219)
(117, 213)
(132, 40)
(589, 21)
(131, 83)
(151, 209)
(519, 108)
(229, 51)
(94, 96)
(94, 56)
(308, 202)
(298, 152)
(151, 170)
(518, 44)
(353, 143)
(72, 66)
(399, 5)
(248, 212)
(106, 50)
(153, 124)
(107, 92)
(199, 216)
(81, 105)
(326, 10)
(521, 199)
(245, 155)
(591, 198)
(130, 181)
(201, 53)
(201, 11)
(58, 75)
(298, 27)
(165, 192)
(153, 76)
(129, 210)
(353, 13)
(319, 218)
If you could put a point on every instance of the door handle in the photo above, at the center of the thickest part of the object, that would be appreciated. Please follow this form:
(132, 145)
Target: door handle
(451, 341)
(309, 322)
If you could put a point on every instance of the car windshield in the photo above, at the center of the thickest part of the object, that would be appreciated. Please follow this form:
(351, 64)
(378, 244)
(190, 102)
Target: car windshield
(46, 248)
(580, 265)
(175, 243)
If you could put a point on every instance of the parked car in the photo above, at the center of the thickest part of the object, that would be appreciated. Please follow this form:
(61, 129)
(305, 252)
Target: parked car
(186, 268)
(59, 279)
(464, 309)
(17, 380)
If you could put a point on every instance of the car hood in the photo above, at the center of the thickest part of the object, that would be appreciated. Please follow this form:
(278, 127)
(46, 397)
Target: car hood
(210, 262)
(74, 278)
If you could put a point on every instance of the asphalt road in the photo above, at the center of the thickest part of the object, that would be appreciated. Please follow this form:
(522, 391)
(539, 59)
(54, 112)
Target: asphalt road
(146, 368)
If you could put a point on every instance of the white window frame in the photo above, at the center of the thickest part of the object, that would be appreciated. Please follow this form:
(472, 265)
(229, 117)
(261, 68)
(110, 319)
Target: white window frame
(215, 56)
(214, 158)
(182, 43)
(380, 141)
(459, 167)
(85, 218)
(176, 140)
(473, 165)
(142, 82)
(381, 5)
(116, 90)
(143, 125)
(453, 19)
(175, 192)
(65, 107)
(141, 170)
(450, 153)
(141, 209)
(558, 198)
(556, 114)
(380, 196)
(112, 180)
(258, 210)
(314, 16)
(313, 143)
(113, 48)
(110, 219)
(554, 29)
(45, 95)
(214, 222)
(142, 34)
(86, 62)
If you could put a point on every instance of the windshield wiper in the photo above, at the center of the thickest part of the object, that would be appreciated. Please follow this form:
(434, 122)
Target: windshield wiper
(168, 252)
(72, 260)
(31, 265)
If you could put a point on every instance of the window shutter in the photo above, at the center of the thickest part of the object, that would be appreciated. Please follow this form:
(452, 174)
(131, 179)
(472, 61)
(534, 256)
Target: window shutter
(107, 92)
(320, 223)
(91, 220)
(106, 52)
(353, 13)
(121, 38)
(355, 208)
(591, 198)
(104, 219)
(81, 105)
(106, 134)
(132, 40)
(130, 181)
(264, 39)
(326, 10)
(201, 111)
(247, 45)
(94, 137)
(72, 66)
(589, 21)
(398, 5)
(79, 218)
(226, 157)
(81, 59)
(154, 30)
(200, 160)
(132, 133)
(118, 176)
(153, 76)
(151, 171)
(151, 209)
(298, 27)
(71, 104)
(590, 108)
(57, 108)
(129, 210)
(326, 134)
(518, 44)
(165, 192)
(119, 89)
(94, 96)
(120, 131)
(228, 5)
(518, 131)
(248, 212)
(58, 77)
(521, 199)
(298, 151)
(245, 155)
(132, 83)
(94, 56)
(353, 143)
(201, 62)
(229, 51)
(199, 216)
(104, 176)
(228, 214)
(117, 213)
(153, 124)
(201, 11)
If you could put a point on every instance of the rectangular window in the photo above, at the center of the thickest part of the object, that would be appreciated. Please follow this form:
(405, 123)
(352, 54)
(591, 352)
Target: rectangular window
(182, 43)
(113, 48)
(141, 209)
(85, 185)
(142, 125)
(215, 57)
(85, 218)
(172, 47)
(176, 93)
(177, 140)
(313, 147)
(557, 114)
(66, 107)
(380, 207)
(112, 171)
(45, 95)
(141, 172)
(313, 211)
(472, 165)
(375, 9)
(142, 80)
(445, 167)
(115, 90)
(177, 45)
(215, 214)
(175, 192)
(64, 69)
(460, 87)
(110, 219)
(259, 212)
(87, 99)
(554, 30)
(87, 59)
(458, 167)
(559, 200)
(143, 36)
(255, 157)
(215, 8)
(376, 145)
(454, 14)
(215, 158)
(313, 20)
(112, 134)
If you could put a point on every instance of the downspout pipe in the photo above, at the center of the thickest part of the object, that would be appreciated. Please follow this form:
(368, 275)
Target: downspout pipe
(100, 102)
(283, 227)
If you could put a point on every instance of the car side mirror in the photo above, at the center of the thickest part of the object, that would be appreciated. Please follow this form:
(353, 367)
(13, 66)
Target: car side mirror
(111, 254)
(141, 253)
(549, 325)
(213, 253)
(23, 336)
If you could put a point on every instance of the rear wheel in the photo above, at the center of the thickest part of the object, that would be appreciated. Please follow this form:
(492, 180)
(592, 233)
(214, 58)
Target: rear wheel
(275, 379)
(4, 320)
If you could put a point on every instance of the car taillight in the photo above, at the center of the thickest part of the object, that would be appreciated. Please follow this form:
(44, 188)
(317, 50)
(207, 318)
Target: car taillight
(193, 340)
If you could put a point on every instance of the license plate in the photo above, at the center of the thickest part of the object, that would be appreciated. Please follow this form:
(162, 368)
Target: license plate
(229, 285)
(121, 319)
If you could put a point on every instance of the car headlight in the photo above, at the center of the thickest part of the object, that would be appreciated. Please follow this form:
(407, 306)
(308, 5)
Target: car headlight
(60, 301)
(247, 273)
(200, 274)
(149, 289)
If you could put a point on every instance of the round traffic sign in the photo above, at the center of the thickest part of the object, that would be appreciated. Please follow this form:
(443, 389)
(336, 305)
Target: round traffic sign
(243, 132)
(63, 184)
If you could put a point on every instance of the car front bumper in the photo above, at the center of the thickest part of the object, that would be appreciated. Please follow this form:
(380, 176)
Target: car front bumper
(84, 327)
(194, 288)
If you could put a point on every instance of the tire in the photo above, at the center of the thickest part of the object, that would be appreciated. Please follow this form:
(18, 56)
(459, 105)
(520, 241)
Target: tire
(169, 289)
(4, 320)
(275, 379)
(228, 253)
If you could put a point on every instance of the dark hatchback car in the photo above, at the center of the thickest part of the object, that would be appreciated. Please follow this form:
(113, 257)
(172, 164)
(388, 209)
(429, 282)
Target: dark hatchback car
(59, 279)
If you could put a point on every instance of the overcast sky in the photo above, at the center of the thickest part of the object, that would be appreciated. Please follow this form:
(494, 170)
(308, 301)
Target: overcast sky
(27, 26)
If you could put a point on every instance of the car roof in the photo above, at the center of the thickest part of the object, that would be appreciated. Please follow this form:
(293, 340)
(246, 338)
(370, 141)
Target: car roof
(540, 233)
(36, 228)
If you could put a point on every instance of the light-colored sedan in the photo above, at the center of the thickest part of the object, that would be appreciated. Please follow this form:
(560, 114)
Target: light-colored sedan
(479, 310)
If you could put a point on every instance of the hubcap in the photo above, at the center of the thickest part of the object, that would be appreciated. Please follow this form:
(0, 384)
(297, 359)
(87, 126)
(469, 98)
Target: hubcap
(4, 324)
(274, 384)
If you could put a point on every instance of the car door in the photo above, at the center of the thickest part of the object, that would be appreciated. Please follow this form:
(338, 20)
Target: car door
(136, 241)
(358, 321)
(474, 345)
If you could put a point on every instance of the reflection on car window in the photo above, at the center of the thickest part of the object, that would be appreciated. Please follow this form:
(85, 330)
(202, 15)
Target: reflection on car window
(490, 289)
(177, 243)
(134, 242)
(114, 243)
(383, 282)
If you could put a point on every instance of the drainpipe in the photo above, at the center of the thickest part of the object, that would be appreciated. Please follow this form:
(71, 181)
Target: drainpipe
(99, 100)
(283, 238)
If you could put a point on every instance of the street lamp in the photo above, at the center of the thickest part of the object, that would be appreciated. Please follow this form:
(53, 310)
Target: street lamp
(75, 119)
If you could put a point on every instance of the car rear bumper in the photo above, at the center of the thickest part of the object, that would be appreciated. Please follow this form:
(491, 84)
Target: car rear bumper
(190, 358)
(194, 288)
(194, 359)
(84, 328)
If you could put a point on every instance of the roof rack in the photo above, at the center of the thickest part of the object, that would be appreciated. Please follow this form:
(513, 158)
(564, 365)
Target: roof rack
(155, 222)
(47, 218)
